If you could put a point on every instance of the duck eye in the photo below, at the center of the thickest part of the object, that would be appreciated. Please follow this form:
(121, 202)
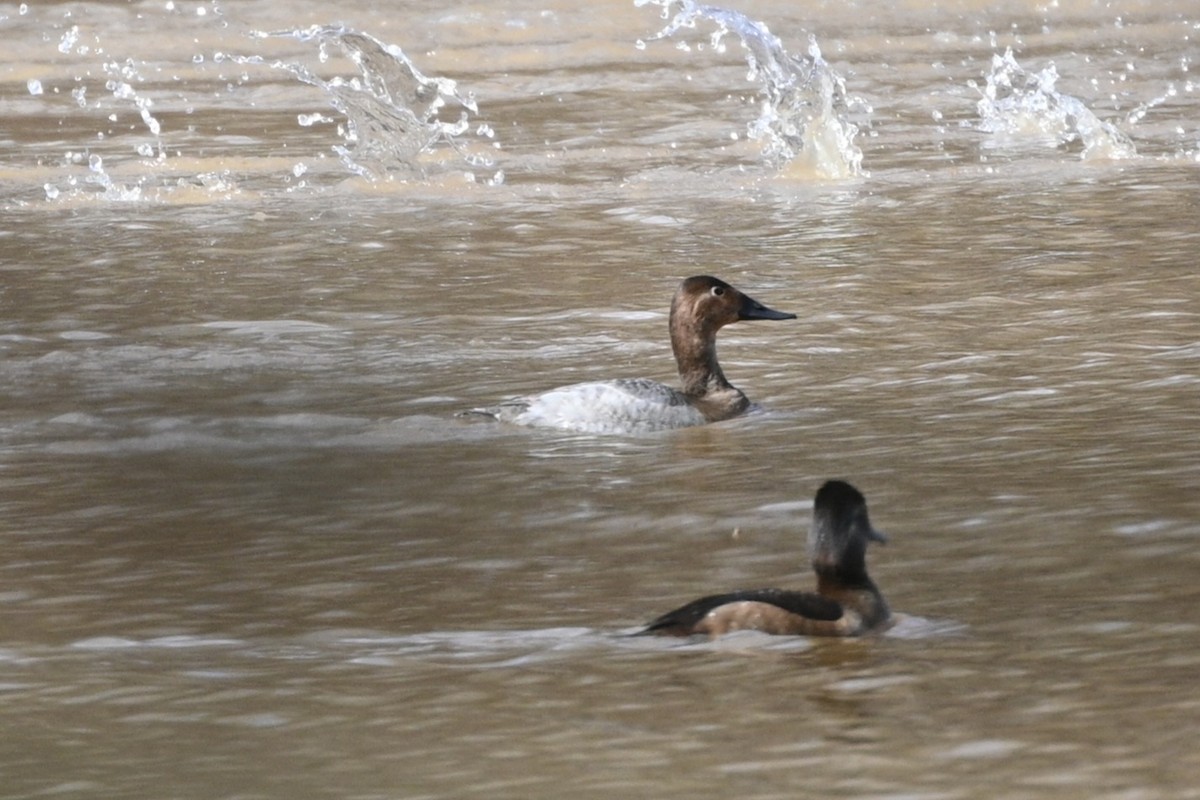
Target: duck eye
(718, 291)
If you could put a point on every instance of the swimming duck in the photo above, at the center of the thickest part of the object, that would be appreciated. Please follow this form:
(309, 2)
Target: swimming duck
(702, 306)
(846, 602)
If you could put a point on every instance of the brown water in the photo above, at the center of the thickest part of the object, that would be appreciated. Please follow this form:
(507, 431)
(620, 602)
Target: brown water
(248, 550)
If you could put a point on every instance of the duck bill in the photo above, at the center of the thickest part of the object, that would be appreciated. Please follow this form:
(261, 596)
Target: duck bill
(752, 309)
(877, 536)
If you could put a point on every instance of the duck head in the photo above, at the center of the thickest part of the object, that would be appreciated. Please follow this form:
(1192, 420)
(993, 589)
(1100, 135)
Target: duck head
(702, 306)
(709, 304)
(841, 529)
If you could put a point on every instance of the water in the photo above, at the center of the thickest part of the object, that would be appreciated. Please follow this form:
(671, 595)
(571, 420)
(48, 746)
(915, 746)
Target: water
(1016, 104)
(392, 111)
(804, 118)
(249, 550)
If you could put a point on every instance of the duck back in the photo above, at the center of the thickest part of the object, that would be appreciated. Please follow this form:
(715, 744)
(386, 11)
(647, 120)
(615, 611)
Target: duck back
(625, 405)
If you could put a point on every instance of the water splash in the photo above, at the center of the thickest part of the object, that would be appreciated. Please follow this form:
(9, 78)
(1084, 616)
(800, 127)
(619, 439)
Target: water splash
(803, 124)
(1022, 104)
(121, 77)
(69, 39)
(75, 188)
(391, 109)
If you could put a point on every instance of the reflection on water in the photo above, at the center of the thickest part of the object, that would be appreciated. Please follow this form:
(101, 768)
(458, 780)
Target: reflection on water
(249, 549)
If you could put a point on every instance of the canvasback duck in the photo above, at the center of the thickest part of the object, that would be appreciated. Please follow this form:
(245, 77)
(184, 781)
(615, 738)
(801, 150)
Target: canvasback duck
(702, 306)
(846, 602)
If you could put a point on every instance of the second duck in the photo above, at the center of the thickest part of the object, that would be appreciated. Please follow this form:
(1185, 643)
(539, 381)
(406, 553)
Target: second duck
(702, 306)
(846, 602)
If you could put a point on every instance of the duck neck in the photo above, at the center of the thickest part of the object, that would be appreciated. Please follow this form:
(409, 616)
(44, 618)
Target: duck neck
(829, 576)
(854, 589)
(695, 347)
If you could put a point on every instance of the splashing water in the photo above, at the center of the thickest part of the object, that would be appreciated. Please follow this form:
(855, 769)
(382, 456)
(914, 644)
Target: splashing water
(120, 82)
(391, 120)
(110, 190)
(803, 124)
(1022, 104)
(391, 108)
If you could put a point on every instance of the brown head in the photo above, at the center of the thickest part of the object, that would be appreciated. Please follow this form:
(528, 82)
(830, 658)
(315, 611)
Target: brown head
(702, 306)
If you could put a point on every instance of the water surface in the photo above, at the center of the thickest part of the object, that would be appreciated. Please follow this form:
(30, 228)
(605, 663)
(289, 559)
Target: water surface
(251, 551)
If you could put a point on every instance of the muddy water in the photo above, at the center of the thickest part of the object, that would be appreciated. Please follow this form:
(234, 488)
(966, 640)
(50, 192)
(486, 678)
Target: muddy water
(250, 551)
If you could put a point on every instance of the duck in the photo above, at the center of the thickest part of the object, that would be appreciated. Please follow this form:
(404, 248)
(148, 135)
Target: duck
(701, 306)
(846, 601)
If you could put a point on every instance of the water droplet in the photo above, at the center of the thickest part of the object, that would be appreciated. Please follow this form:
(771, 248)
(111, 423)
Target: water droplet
(68, 39)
